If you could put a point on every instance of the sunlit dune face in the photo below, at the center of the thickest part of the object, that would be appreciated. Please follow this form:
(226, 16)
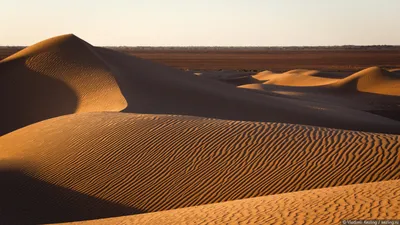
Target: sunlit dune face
(372, 80)
(93, 84)
(320, 206)
(295, 78)
(118, 157)
(376, 81)
(72, 61)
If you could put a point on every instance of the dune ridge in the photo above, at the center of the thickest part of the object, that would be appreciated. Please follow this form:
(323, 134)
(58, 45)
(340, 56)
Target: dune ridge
(321, 206)
(161, 162)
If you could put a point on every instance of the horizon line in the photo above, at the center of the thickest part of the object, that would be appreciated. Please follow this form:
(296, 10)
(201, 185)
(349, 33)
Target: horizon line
(223, 46)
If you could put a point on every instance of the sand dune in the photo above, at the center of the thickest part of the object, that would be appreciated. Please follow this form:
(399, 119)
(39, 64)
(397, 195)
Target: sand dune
(55, 77)
(66, 75)
(372, 80)
(322, 206)
(150, 163)
(90, 133)
(371, 90)
(299, 78)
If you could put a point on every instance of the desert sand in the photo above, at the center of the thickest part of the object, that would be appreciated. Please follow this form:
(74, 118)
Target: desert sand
(321, 206)
(55, 77)
(140, 86)
(372, 80)
(91, 133)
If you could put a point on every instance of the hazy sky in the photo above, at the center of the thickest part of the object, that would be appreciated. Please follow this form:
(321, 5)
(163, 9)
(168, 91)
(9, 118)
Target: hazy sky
(203, 22)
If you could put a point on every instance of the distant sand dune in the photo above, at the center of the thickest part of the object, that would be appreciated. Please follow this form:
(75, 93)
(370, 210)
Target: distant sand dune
(307, 78)
(372, 90)
(151, 163)
(373, 80)
(371, 201)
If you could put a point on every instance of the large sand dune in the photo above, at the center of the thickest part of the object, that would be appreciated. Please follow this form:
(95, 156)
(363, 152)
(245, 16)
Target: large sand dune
(55, 77)
(373, 201)
(149, 163)
(66, 75)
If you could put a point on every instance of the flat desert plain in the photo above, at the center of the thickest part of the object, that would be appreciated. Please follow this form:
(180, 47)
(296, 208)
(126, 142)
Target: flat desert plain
(93, 135)
(341, 59)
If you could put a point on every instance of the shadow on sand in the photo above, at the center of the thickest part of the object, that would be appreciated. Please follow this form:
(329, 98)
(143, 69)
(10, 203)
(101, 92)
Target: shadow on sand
(30, 97)
(25, 200)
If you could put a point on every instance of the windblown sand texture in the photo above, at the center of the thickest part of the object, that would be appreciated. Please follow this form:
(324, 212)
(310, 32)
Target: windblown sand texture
(152, 163)
(90, 133)
(323, 206)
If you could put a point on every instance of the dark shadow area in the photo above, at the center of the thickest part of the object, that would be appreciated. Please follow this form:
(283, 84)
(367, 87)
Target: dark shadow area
(25, 200)
(391, 114)
(27, 96)
(237, 81)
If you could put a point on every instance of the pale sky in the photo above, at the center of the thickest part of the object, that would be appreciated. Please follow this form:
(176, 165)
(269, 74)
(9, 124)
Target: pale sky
(203, 22)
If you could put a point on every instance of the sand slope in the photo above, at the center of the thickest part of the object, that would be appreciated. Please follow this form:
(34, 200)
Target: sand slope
(322, 206)
(148, 163)
(55, 77)
(373, 80)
